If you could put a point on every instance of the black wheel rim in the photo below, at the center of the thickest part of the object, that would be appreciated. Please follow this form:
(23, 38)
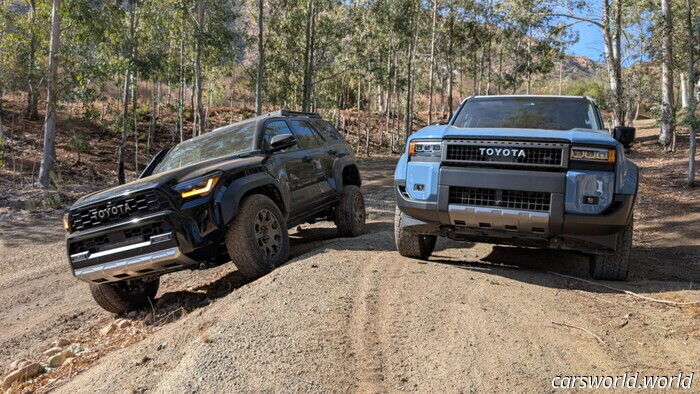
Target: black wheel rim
(358, 208)
(268, 233)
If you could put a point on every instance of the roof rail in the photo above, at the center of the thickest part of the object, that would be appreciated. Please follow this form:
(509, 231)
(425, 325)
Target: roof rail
(284, 112)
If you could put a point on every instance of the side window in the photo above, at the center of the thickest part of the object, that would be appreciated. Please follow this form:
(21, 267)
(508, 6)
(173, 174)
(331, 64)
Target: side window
(274, 128)
(306, 134)
(327, 130)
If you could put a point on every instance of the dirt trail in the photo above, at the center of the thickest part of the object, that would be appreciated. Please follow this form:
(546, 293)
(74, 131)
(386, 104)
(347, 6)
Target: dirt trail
(353, 315)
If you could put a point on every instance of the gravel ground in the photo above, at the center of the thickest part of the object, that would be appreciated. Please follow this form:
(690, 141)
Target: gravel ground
(353, 315)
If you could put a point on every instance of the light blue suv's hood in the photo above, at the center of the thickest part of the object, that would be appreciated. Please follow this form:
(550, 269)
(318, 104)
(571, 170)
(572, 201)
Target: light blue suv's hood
(576, 136)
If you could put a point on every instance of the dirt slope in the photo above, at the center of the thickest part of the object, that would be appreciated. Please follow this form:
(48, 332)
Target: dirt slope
(351, 314)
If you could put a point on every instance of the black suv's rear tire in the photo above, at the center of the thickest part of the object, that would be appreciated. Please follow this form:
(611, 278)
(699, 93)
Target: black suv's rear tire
(416, 246)
(125, 296)
(350, 212)
(614, 266)
(257, 240)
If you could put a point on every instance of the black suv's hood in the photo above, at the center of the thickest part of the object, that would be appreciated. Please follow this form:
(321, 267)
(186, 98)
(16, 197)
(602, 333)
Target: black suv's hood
(166, 180)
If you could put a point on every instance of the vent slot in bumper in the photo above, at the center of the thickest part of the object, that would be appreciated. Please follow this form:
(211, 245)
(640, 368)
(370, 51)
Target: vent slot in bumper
(509, 199)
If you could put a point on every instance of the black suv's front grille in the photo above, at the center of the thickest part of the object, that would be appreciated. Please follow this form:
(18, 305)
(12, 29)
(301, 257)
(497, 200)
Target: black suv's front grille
(509, 199)
(507, 153)
(120, 238)
(118, 210)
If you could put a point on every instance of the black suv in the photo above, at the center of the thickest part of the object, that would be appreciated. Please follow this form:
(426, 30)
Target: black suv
(229, 195)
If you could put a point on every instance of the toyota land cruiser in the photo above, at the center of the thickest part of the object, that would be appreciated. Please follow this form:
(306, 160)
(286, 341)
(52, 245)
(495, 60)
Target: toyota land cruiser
(537, 171)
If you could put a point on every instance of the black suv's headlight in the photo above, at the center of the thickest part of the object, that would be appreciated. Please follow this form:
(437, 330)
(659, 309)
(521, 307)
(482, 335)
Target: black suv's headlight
(197, 187)
(431, 150)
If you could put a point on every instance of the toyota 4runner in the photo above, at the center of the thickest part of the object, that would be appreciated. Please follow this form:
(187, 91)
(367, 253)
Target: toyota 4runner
(228, 195)
(537, 171)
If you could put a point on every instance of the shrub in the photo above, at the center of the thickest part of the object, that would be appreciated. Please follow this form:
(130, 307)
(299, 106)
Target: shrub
(32, 205)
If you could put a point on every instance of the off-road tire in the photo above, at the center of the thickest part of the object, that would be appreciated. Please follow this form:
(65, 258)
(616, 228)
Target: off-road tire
(350, 212)
(614, 266)
(250, 252)
(412, 245)
(125, 296)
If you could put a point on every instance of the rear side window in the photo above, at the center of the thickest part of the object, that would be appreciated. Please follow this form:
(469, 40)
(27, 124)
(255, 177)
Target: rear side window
(306, 135)
(327, 130)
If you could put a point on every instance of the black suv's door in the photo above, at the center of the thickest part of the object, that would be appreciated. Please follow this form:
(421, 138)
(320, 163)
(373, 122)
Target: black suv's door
(315, 152)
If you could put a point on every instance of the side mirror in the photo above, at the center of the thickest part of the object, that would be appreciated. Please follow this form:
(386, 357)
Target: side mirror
(625, 135)
(281, 142)
(437, 124)
(154, 163)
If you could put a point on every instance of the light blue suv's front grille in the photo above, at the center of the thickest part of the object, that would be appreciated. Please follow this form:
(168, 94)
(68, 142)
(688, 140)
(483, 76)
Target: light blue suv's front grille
(505, 153)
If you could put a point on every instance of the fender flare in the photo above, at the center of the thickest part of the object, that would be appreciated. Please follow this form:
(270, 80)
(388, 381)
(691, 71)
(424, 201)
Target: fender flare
(340, 166)
(230, 200)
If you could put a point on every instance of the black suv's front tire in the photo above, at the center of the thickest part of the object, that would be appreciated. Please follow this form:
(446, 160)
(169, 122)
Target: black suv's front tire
(416, 246)
(350, 212)
(614, 266)
(125, 296)
(257, 240)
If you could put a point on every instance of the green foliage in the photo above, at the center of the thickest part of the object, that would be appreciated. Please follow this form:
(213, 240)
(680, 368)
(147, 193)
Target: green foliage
(586, 87)
(32, 205)
(78, 143)
(2, 153)
(53, 201)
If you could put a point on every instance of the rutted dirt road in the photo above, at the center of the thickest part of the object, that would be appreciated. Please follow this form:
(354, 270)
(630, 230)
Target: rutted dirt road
(353, 315)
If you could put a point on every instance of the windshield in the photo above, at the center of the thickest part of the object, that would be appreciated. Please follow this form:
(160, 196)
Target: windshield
(229, 140)
(528, 113)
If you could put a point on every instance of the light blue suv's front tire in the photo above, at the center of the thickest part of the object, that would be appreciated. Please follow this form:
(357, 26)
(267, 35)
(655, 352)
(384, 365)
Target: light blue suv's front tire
(412, 245)
(614, 266)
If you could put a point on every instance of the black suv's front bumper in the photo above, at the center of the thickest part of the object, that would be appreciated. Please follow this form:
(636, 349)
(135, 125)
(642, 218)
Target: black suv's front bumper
(144, 246)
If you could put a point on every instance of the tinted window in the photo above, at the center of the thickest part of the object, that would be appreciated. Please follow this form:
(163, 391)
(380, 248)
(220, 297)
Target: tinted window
(225, 141)
(327, 130)
(305, 134)
(528, 113)
(274, 128)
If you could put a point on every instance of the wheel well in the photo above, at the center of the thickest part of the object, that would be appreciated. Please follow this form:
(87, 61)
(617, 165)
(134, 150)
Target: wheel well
(351, 176)
(270, 192)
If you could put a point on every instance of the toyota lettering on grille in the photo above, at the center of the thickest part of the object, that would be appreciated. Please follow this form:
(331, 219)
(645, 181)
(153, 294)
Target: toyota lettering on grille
(110, 212)
(504, 152)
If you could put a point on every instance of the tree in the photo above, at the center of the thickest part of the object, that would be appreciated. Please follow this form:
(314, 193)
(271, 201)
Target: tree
(691, 117)
(668, 112)
(129, 56)
(259, 80)
(50, 123)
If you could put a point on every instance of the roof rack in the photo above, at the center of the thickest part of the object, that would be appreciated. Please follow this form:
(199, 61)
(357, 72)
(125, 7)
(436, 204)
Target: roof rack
(284, 112)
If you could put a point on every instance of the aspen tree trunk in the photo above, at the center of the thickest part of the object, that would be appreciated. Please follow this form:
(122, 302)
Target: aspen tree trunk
(261, 60)
(308, 56)
(50, 124)
(529, 60)
(369, 115)
(32, 86)
(668, 111)
(181, 93)
(692, 102)
(121, 176)
(199, 123)
(432, 64)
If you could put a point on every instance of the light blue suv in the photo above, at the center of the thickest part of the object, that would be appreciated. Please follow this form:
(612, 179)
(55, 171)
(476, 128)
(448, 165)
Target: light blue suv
(539, 171)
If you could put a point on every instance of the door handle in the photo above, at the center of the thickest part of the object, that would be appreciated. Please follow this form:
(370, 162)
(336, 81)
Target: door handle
(306, 159)
(332, 152)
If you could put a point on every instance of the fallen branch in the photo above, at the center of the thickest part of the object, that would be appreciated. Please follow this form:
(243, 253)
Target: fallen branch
(633, 294)
(582, 329)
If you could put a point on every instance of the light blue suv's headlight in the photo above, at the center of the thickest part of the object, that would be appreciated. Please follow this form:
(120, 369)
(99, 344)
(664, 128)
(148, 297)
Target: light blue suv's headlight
(429, 150)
